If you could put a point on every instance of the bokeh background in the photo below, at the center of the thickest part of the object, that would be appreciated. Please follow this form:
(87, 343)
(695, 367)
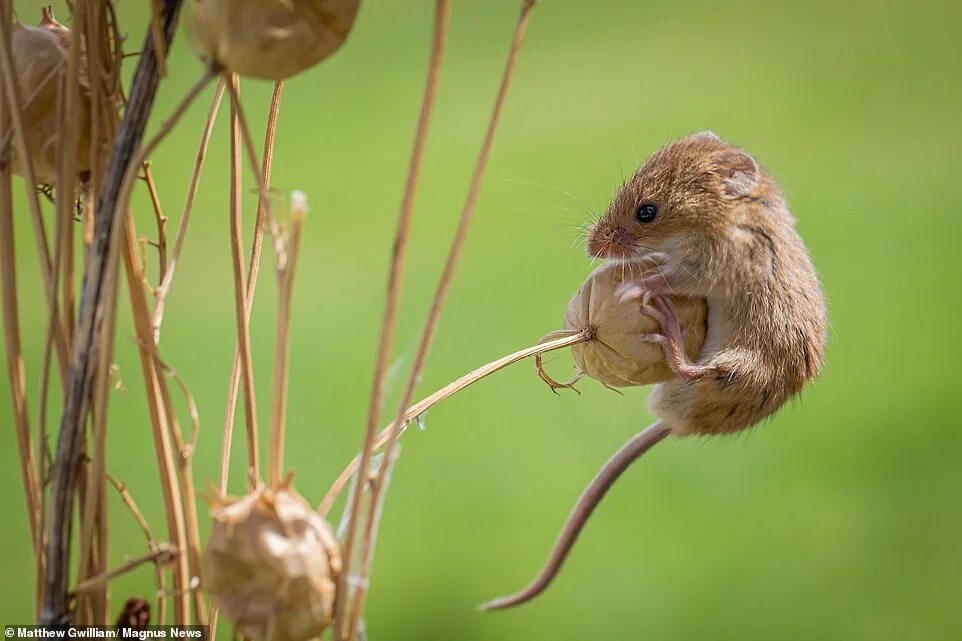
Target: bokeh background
(838, 519)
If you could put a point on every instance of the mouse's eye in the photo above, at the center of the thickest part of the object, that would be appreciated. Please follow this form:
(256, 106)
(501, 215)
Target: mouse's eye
(646, 212)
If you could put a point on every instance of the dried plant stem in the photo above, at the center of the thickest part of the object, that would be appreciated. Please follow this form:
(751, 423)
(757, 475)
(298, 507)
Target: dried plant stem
(157, 29)
(395, 277)
(68, 145)
(434, 314)
(163, 289)
(240, 289)
(11, 90)
(253, 267)
(152, 545)
(99, 274)
(14, 356)
(160, 220)
(287, 265)
(385, 471)
(419, 408)
(163, 555)
(160, 424)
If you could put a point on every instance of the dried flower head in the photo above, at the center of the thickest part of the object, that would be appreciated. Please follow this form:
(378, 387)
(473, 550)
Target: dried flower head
(271, 562)
(269, 39)
(40, 59)
(615, 355)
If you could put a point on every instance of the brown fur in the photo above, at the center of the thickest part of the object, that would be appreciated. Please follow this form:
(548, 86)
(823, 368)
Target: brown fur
(723, 232)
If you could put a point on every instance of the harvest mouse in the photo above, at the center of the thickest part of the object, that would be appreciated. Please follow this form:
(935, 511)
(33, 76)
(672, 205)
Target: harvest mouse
(702, 219)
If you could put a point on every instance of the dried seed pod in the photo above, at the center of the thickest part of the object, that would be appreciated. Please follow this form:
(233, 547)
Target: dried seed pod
(615, 355)
(269, 39)
(271, 562)
(40, 59)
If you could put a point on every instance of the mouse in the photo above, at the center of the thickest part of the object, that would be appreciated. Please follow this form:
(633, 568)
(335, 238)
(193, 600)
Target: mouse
(702, 218)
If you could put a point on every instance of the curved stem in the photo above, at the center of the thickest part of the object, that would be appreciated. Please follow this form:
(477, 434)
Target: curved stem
(430, 325)
(419, 408)
(395, 278)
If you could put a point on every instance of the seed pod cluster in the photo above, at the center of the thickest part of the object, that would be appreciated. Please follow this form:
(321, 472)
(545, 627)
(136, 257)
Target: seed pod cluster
(271, 563)
(616, 355)
(269, 39)
(40, 57)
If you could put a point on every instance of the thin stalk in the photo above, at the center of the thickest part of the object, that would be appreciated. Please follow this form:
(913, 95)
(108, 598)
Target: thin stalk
(240, 290)
(253, 267)
(160, 220)
(395, 277)
(157, 30)
(152, 545)
(287, 265)
(163, 555)
(98, 281)
(159, 422)
(448, 390)
(12, 94)
(160, 296)
(183, 461)
(376, 511)
(14, 356)
(434, 314)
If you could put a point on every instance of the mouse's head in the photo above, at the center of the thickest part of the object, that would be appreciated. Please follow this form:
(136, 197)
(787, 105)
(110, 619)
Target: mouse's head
(687, 191)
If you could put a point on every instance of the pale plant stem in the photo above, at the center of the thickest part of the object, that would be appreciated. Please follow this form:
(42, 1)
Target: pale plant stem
(287, 266)
(394, 286)
(68, 144)
(100, 406)
(160, 220)
(11, 91)
(68, 126)
(242, 321)
(152, 379)
(163, 555)
(160, 424)
(152, 546)
(157, 29)
(422, 406)
(183, 454)
(377, 509)
(163, 289)
(12, 346)
(183, 457)
(437, 304)
(99, 280)
(253, 267)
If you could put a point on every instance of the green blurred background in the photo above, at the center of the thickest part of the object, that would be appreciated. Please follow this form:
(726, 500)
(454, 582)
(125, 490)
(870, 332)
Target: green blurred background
(838, 519)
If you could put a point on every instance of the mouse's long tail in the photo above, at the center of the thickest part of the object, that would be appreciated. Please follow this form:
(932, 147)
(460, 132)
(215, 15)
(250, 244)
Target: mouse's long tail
(589, 500)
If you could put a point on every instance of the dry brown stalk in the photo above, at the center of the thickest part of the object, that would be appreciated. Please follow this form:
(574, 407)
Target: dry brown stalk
(558, 342)
(157, 29)
(286, 267)
(395, 279)
(240, 287)
(434, 314)
(12, 348)
(160, 220)
(163, 555)
(99, 274)
(253, 267)
(160, 425)
(152, 545)
(184, 463)
(12, 93)
(165, 284)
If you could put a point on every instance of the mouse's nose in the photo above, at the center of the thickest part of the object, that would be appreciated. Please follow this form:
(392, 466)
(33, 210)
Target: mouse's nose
(611, 242)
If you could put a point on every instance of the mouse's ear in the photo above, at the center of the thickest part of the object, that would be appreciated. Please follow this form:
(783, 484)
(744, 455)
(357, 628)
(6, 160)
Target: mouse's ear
(738, 172)
(707, 135)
